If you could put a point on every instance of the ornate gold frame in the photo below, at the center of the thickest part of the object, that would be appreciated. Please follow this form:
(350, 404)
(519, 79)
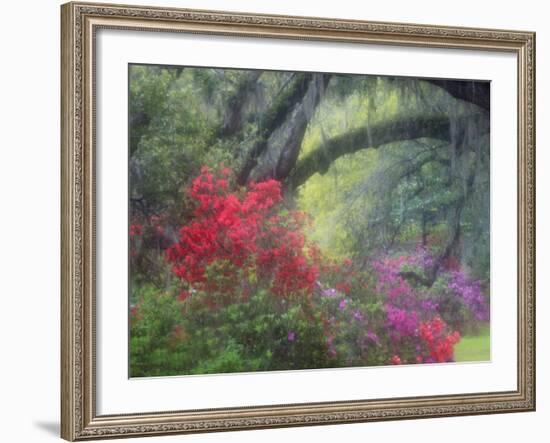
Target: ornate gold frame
(79, 22)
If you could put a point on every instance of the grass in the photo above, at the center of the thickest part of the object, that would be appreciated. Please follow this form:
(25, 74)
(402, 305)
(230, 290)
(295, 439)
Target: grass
(474, 347)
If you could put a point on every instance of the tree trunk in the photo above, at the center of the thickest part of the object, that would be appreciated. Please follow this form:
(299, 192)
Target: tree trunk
(282, 110)
(410, 128)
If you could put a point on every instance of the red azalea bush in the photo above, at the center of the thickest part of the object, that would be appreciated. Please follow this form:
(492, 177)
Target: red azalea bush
(438, 344)
(246, 230)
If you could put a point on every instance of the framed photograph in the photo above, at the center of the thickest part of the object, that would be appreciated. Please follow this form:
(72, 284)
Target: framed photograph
(282, 221)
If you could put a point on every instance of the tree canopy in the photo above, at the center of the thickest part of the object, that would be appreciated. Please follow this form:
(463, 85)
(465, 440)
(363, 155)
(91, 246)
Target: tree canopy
(379, 162)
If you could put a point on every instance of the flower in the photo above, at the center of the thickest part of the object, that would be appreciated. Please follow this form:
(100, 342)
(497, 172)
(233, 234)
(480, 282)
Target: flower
(242, 230)
(440, 344)
(134, 311)
(373, 337)
(136, 229)
(471, 294)
(343, 287)
(342, 303)
(395, 360)
(330, 292)
(401, 322)
(291, 336)
(183, 295)
(429, 305)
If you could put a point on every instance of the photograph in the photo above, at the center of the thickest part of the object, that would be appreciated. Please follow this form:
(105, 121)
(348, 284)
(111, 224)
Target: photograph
(289, 220)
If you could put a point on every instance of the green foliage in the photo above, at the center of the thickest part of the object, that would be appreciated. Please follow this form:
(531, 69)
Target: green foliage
(152, 321)
(174, 115)
(171, 337)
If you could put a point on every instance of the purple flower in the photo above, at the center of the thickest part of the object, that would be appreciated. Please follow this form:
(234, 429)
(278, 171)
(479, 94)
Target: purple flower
(357, 315)
(330, 292)
(373, 337)
(291, 336)
(429, 305)
(470, 292)
(401, 322)
(343, 303)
